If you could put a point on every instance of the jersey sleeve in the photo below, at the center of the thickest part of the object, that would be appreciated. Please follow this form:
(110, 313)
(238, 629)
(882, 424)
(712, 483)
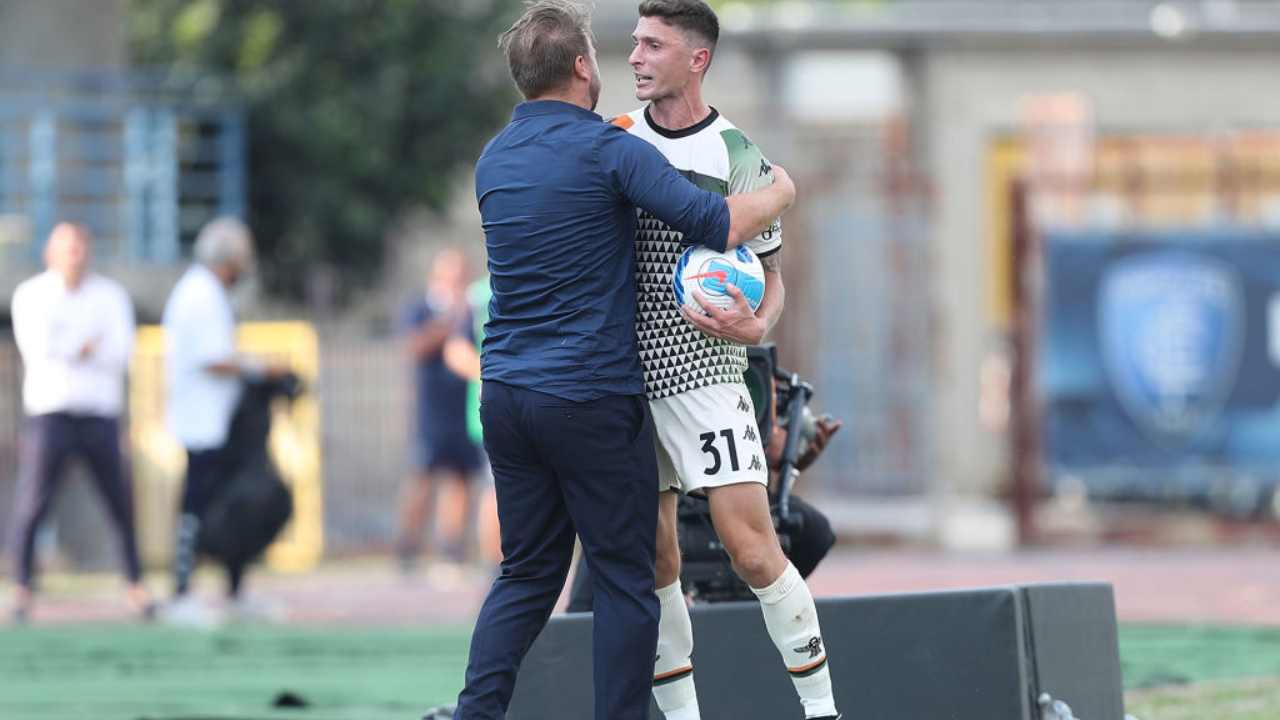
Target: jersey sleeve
(750, 171)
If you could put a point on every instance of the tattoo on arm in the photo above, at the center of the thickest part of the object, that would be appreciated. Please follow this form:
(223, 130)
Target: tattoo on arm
(772, 263)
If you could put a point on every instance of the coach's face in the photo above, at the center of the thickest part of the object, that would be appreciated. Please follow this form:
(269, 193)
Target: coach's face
(662, 59)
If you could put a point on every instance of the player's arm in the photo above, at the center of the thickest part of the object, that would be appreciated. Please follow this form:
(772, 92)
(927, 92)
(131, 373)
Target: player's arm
(643, 176)
(775, 293)
(749, 171)
(753, 213)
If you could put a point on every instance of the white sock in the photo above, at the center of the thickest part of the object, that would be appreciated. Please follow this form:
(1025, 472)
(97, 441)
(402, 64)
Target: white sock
(673, 669)
(792, 620)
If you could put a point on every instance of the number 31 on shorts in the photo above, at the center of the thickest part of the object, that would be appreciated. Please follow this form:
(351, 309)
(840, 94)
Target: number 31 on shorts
(709, 447)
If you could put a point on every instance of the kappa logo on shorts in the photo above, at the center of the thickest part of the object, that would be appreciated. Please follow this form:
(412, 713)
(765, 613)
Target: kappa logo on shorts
(813, 647)
(743, 405)
(755, 463)
(750, 434)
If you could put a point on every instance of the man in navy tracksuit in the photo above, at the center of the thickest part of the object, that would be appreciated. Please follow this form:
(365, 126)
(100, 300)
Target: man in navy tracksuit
(566, 425)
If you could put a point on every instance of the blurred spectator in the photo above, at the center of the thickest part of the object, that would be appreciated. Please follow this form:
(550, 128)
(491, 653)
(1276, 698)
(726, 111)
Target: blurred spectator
(205, 378)
(445, 453)
(75, 332)
(462, 356)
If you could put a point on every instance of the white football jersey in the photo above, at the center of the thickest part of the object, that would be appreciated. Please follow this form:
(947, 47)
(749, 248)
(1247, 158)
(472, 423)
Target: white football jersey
(715, 156)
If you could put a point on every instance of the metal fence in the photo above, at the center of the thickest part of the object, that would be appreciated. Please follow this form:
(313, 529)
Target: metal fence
(366, 397)
(862, 317)
(142, 178)
(141, 164)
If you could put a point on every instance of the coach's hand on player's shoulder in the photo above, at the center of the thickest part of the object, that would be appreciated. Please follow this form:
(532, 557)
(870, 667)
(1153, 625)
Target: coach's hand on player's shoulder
(737, 324)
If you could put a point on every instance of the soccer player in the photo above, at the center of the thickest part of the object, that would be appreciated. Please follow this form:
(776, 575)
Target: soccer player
(693, 363)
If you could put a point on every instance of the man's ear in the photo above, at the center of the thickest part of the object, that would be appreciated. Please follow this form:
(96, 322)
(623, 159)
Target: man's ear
(582, 68)
(700, 60)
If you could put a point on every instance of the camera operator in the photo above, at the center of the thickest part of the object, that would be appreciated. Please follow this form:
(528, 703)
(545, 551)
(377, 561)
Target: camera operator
(811, 537)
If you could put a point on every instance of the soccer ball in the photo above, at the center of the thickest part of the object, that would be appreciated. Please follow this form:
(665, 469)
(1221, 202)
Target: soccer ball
(704, 269)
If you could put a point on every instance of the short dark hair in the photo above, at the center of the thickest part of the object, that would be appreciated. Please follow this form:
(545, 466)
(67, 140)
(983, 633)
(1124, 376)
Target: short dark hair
(542, 46)
(691, 16)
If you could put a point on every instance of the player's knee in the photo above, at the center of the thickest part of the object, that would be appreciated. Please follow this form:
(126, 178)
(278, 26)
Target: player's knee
(754, 564)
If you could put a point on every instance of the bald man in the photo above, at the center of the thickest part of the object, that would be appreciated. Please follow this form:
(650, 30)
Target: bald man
(75, 333)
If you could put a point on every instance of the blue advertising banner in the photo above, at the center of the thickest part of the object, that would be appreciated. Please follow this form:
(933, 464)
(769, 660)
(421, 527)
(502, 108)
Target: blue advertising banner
(1159, 368)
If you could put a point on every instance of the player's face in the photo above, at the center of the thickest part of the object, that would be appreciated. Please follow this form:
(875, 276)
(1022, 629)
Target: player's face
(661, 59)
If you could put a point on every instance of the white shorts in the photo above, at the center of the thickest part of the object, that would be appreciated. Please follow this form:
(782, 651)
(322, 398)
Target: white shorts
(708, 438)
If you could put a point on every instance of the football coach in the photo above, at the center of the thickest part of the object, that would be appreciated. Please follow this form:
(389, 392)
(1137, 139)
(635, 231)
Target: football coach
(566, 425)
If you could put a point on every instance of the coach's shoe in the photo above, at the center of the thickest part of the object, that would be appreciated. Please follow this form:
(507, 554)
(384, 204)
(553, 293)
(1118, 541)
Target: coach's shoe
(829, 717)
(444, 712)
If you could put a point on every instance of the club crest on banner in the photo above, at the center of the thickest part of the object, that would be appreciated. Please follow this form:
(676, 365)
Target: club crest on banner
(1171, 327)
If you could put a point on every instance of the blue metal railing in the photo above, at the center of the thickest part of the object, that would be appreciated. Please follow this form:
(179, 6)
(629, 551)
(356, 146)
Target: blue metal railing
(142, 164)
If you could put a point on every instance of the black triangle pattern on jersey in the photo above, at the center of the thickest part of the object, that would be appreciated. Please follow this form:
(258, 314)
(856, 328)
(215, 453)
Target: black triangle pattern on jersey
(676, 356)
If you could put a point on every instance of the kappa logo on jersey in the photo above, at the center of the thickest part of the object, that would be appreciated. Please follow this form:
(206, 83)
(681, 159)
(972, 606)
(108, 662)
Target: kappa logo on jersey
(755, 463)
(813, 647)
(743, 405)
(750, 434)
(765, 167)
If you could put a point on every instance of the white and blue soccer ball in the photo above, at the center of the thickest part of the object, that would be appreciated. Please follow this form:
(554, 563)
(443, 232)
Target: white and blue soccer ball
(710, 271)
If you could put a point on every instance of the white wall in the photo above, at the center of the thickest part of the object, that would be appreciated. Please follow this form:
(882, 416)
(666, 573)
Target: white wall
(62, 33)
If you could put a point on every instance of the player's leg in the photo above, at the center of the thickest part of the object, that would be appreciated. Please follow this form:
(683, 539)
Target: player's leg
(741, 517)
(602, 453)
(45, 447)
(711, 438)
(674, 689)
(417, 506)
(537, 546)
(727, 463)
(101, 443)
(673, 684)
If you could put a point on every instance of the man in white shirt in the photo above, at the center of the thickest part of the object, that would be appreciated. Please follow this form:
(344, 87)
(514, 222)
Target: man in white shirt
(75, 333)
(205, 375)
